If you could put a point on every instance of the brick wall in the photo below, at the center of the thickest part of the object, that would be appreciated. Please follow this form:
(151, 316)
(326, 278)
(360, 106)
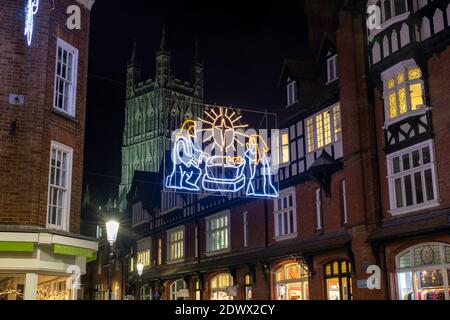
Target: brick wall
(29, 71)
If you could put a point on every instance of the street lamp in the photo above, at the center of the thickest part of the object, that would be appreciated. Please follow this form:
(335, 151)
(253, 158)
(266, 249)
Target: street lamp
(112, 228)
(140, 271)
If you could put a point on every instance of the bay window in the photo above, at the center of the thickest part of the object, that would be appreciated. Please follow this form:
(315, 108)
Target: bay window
(60, 181)
(175, 244)
(403, 91)
(323, 128)
(218, 232)
(412, 178)
(285, 214)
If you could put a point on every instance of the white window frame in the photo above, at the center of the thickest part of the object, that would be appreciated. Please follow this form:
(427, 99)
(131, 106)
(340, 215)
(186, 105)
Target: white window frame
(175, 289)
(144, 296)
(335, 136)
(169, 257)
(292, 92)
(285, 234)
(209, 250)
(65, 214)
(332, 66)
(72, 92)
(391, 73)
(410, 172)
(245, 225)
(319, 209)
(344, 199)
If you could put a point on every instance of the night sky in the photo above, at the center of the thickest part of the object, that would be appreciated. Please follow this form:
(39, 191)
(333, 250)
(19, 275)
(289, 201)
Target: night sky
(241, 45)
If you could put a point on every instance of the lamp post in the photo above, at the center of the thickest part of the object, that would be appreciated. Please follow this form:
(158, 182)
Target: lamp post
(140, 271)
(112, 228)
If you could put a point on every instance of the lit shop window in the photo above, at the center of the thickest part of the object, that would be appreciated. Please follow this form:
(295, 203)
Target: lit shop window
(178, 290)
(131, 264)
(292, 282)
(60, 178)
(159, 257)
(323, 128)
(284, 148)
(217, 233)
(412, 178)
(285, 214)
(12, 286)
(423, 272)
(404, 93)
(65, 78)
(219, 286)
(143, 257)
(248, 287)
(198, 290)
(175, 244)
(146, 292)
(338, 280)
(54, 288)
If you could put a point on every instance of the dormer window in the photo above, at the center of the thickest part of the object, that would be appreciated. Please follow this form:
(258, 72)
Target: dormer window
(393, 8)
(332, 69)
(292, 92)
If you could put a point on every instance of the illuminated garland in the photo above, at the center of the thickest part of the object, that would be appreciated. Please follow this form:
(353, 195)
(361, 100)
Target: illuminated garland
(30, 10)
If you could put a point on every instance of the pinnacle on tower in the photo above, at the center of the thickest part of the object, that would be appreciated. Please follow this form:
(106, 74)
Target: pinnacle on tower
(163, 47)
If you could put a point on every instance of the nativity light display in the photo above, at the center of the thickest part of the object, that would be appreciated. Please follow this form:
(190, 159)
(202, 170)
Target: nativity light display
(214, 154)
(30, 10)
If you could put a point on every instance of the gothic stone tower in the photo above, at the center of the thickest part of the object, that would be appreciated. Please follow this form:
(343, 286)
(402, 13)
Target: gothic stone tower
(154, 108)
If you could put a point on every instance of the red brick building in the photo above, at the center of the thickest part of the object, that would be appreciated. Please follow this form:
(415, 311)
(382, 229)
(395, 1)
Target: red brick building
(363, 182)
(42, 124)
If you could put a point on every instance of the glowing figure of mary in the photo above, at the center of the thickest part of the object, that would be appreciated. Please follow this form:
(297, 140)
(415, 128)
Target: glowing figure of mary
(257, 158)
(186, 160)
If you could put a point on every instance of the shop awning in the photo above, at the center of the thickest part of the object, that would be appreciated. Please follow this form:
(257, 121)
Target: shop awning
(75, 251)
(16, 246)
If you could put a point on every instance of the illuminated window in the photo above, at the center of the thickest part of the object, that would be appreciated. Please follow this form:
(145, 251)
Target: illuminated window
(324, 128)
(404, 92)
(143, 257)
(284, 148)
(285, 214)
(219, 286)
(198, 290)
(248, 287)
(218, 233)
(177, 290)
(146, 292)
(131, 264)
(412, 178)
(338, 280)
(65, 77)
(60, 180)
(159, 257)
(175, 244)
(292, 282)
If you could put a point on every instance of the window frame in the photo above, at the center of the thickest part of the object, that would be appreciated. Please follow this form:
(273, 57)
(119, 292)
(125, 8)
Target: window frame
(290, 192)
(392, 177)
(292, 92)
(319, 225)
(71, 108)
(340, 276)
(65, 215)
(283, 163)
(169, 258)
(393, 12)
(332, 64)
(245, 226)
(335, 133)
(391, 74)
(208, 232)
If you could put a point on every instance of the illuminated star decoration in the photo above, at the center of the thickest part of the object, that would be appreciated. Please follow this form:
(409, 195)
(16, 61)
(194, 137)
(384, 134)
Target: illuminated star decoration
(30, 10)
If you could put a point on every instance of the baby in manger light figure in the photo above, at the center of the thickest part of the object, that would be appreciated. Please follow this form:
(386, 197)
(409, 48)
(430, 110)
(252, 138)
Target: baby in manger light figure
(186, 159)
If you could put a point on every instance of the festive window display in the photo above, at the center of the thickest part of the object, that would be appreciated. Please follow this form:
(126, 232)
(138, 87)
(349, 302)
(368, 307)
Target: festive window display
(219, 287)
(338, 280)
(292, 282)
(423, 272)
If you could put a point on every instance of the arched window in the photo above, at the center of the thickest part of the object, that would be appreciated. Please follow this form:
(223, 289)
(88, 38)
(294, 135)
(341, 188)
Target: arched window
(423, 272)
(146, 292)
(177, 290)
(292, 282)
(198, 290)
(248, 287)
(338, 280)
(219, 285)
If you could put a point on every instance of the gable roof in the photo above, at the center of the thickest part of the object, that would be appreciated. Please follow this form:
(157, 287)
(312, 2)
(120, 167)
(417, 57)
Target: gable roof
(299, 70)
(328, 44)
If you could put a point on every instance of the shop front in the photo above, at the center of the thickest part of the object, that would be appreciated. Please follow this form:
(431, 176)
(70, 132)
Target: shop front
(42, 266)
(338, 280)
(291, 282)
(423, 272)
(221, 287)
